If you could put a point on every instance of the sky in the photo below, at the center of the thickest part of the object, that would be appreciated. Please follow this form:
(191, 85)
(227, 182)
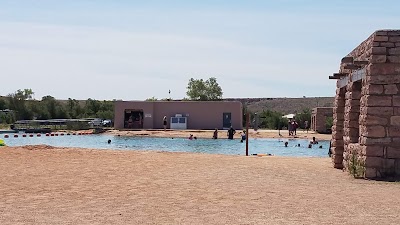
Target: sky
(134, 50)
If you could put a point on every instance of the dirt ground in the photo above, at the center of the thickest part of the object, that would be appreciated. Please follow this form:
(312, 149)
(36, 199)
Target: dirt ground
(46, 185)
(222, 134)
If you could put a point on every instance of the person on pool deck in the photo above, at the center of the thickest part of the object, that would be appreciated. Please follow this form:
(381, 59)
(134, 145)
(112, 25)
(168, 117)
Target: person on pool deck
(165, 122)
(231, 132)
(215, 135)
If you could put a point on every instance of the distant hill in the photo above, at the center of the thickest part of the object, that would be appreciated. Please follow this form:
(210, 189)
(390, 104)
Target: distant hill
(284, 105)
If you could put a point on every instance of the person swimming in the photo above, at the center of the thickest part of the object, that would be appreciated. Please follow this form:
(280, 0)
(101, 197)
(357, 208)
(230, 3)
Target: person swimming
(191, 137)
(109, 141)
(286, 144)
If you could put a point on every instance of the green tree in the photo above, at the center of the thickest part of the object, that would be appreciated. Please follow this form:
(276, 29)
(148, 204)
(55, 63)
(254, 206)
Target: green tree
(152, 99)
(272, 119)
(52, 109)
(106, 110)
(305, 115)
(91, 108)
(201, 90)
(3, 104)
(74, 109)
(329, 122)
(16, 102)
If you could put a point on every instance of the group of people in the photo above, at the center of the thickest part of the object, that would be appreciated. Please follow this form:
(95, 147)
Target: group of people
(292, 127)
(312, 142)
(230, 133)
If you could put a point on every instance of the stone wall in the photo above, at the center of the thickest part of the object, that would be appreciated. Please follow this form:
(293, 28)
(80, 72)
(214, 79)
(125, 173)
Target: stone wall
(318, 118)
(367, 113)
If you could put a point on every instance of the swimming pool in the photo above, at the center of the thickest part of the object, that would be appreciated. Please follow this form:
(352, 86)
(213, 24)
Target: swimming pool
(210, 146)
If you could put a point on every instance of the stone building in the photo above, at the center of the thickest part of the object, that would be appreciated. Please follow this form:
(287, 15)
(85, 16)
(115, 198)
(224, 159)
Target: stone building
(366, 126)
(318, 119)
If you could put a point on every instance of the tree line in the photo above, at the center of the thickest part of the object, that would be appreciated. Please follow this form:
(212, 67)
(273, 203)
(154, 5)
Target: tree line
(24, 107)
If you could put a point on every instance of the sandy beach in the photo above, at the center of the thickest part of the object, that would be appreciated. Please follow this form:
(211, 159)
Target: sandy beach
(46, 185)
(221, 133)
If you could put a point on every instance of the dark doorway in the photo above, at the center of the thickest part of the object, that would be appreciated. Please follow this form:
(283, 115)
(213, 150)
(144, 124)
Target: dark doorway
(226, 120)
(133, 119)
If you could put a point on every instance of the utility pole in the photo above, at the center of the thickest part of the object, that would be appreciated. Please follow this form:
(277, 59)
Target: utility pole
(247, 132)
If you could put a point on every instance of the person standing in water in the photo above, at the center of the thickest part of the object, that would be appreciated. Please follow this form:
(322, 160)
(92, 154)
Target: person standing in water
(243, 135)
(165, 123)
(231, 132)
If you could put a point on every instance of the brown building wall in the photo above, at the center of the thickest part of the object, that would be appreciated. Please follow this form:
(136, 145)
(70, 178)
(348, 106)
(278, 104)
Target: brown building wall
(201, 115)
(318, 118)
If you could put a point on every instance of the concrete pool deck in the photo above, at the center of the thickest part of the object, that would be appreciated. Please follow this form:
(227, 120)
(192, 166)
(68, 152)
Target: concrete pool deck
(46, 185)
(221, 134)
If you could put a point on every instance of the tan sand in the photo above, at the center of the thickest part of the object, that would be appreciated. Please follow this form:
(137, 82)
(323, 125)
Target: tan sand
(45, 185)
(221, 134)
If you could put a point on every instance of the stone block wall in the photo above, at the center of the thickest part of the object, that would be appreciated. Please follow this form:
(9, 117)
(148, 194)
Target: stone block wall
(318, 118)
(337, 144)
(367, 113)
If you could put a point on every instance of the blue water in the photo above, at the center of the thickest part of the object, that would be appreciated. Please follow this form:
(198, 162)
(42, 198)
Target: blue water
(220, 146)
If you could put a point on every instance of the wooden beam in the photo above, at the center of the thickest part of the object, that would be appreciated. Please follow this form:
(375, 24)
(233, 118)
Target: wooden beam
(356, 76)
(347, 59)
(360, 62)
(343, 82)
(352, 67)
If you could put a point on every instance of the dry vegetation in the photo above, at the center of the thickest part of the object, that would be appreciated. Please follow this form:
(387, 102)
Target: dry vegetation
(285, 105)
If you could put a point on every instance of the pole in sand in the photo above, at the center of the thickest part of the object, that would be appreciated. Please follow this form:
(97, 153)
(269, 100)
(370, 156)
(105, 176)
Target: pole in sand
(247, 133)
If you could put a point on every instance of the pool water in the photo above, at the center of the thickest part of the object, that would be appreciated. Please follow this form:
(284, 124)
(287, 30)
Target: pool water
(220, 146)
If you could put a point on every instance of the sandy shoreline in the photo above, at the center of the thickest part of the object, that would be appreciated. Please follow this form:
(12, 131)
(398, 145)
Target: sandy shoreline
(46, 185)
(221, 134)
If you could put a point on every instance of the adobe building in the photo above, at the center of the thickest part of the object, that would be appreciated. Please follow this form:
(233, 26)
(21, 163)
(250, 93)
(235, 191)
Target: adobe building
(319, 116)
(180, 114)
(366, 125)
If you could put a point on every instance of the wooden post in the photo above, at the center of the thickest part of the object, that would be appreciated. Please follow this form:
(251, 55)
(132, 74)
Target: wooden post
(247, 133)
